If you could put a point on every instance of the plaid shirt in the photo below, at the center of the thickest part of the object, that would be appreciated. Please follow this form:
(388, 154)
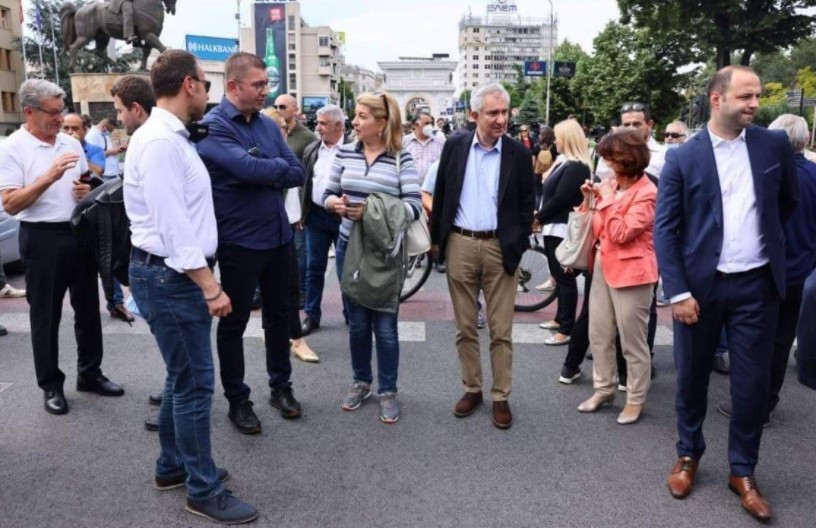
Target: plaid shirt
(424, 154)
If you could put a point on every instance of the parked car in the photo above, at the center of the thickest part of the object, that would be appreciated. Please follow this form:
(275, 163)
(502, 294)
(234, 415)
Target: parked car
(9, 235)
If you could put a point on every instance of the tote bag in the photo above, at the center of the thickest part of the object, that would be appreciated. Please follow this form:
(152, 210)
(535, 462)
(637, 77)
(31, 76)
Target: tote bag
(417, 236)
(575, 249)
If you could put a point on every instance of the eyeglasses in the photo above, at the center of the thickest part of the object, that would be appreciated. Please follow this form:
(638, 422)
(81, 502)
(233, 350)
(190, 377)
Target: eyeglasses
(206, 84)
(53, 113)
(259, 86)
(633, 107)
(673, 135)
(280, 107)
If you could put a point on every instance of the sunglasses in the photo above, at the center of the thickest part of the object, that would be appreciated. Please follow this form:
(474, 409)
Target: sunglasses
(673, 135)
(633, 107)
(206, 84)
(385, 104)
(280, 107)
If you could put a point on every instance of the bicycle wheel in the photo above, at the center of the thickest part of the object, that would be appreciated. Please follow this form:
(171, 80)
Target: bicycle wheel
(416, 273)
(533, 272)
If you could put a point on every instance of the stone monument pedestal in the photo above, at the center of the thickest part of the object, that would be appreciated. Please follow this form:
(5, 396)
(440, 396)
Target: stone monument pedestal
(91, 92)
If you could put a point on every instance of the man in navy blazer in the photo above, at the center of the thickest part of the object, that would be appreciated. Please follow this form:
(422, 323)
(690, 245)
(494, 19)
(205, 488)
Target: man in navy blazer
(722, 200)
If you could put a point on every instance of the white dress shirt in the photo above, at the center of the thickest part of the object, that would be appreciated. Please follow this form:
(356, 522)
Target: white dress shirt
(479, 199)
(24, 158)
(168, 195)
(321, 171)
(742, 248)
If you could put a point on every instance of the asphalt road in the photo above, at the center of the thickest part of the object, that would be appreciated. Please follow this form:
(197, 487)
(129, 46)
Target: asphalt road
(555, 467)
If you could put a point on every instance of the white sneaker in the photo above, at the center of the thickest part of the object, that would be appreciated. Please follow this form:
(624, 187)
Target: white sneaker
(10, 291)
(548, 284)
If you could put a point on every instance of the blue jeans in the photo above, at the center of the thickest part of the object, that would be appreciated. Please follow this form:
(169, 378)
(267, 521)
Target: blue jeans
(362, 321)
(173, 305)
(300, 251)
(322, 228)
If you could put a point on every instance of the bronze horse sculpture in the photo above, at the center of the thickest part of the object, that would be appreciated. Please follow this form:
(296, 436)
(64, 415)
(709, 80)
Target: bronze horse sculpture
(95, 22)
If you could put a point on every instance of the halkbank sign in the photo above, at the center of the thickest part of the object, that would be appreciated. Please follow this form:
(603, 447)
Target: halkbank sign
(210, 48)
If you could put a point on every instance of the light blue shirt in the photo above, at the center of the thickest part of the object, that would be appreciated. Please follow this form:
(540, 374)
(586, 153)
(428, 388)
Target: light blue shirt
(429, 184)
(478, 202)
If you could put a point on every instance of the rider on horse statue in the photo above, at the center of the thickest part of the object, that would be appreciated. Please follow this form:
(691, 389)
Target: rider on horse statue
(126, 8)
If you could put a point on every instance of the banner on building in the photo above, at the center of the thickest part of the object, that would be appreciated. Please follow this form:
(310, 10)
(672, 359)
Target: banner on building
(312, 104)
(535, 68)
(210, 48)
(564, 69)
(341, 37)
(270, 45)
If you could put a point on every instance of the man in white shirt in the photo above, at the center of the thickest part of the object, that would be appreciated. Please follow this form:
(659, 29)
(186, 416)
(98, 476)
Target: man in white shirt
(43, 175)
(322, 227)
(100, 135)
(424, 145)
(168, 199)
(638, 116)
(723, 198)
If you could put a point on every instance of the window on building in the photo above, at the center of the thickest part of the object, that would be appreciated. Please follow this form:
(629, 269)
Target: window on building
(292, 66)
(8, 102)
(475, 66)
(292, 45)
(5, 59)
(323, 41)
(325, 61)
(291, 57)
(475, 57)
(5, 18)
(474, 84)
(292, 21)
(475, 30)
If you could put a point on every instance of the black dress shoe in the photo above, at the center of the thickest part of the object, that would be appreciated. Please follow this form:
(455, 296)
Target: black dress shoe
(101, 385)
(283, 400)
(152, 424)
(3, 330)
(155, 399)
(55, 402)
(243, 417)
(721, 364)
(309, 326)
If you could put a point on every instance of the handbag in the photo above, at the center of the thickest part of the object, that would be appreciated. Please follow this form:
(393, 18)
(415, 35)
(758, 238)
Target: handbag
(575, 249)
(417, 235)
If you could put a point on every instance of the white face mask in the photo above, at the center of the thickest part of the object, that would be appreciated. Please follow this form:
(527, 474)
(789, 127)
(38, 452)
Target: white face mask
(427, 130)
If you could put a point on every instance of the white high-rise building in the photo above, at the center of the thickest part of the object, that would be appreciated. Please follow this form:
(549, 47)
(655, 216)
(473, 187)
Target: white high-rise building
(491, 45)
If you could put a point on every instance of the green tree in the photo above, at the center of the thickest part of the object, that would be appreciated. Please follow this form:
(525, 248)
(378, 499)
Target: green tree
(87, 61)
(529, 109)
(724, 26)
(347, 98)
(563, 100)
(630, 66)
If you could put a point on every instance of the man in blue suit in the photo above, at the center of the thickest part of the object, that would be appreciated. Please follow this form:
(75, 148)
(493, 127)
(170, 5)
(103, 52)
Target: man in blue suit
(722, 200)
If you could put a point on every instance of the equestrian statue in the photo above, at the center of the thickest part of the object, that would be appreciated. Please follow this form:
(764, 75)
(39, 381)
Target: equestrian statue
(137, 22)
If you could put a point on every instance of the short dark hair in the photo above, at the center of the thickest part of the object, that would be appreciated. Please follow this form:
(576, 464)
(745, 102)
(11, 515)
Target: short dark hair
(627, 150)
(420, 115)
(169, 71)
(134, 89)
(721, 81)
(637, 107)
(546, 136)
(239, 63)
(87, 120)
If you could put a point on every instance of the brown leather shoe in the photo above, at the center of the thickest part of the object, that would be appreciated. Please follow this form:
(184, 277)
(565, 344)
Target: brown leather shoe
(120, 312)
(502, 417)
(467, 404)
(681, 479)
(752, 499)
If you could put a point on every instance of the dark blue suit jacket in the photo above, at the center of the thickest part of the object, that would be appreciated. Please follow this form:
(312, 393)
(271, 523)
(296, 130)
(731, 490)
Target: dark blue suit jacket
(688, 231)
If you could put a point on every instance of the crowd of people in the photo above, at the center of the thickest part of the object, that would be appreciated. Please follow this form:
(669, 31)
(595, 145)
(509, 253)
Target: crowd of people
(722, 218)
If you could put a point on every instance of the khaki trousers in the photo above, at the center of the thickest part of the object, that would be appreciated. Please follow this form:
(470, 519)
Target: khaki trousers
(473, 265)
(623, 311)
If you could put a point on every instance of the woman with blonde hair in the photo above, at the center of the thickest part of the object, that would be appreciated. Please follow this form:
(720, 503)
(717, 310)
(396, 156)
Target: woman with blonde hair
(560, 194)
(375, 163)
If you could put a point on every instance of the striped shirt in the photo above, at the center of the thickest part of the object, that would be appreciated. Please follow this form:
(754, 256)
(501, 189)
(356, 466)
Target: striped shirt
(353, 176)
(424, 154)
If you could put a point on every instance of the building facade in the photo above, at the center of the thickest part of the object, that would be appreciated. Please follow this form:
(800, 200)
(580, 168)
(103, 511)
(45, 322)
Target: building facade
(491, 45)
(420, 84)
(12, 70)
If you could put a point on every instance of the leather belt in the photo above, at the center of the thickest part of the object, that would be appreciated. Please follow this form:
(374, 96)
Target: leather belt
(738, 274)
(479, 235)
(47, 226)
(140, 255)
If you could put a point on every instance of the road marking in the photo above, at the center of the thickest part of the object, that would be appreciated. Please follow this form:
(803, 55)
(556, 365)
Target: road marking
(4, 386)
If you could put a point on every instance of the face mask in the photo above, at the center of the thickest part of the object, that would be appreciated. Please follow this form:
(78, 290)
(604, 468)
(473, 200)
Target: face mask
(427, 130)
(106, 133)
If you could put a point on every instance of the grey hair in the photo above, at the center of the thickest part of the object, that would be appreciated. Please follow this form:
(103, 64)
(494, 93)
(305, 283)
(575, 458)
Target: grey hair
(478, 97)
(333, 112)
(680, 124)
(795, 127)
(34, 91)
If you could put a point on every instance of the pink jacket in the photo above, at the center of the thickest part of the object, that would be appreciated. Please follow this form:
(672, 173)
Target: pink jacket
(625, 227)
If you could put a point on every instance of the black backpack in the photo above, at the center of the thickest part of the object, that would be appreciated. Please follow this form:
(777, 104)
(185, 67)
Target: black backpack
(102, 227)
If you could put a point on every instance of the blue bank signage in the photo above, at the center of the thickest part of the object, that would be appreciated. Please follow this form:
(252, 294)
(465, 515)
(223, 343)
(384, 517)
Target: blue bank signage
(210, 48)
(535, 68)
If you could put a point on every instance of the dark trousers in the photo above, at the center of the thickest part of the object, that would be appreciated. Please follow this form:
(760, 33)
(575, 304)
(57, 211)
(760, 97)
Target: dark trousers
(56, 263)
(747, 305)
(295, 331)
(241, 270)
(322, 229)
(806, 335)
(785, 334)
(300, 256)
(567, 287)
(579, 338)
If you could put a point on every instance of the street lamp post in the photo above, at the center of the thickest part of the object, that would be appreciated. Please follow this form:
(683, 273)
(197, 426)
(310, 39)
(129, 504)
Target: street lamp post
(549, 65)
(238, 22)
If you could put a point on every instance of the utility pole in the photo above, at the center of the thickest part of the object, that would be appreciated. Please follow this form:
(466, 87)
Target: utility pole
(238, 22)
(549, 64)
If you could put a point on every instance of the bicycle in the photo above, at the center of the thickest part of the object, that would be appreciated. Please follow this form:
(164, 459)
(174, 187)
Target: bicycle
(417, 271)
(533, 272)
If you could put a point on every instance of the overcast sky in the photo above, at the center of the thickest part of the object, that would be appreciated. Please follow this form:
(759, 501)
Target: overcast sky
(378, 30)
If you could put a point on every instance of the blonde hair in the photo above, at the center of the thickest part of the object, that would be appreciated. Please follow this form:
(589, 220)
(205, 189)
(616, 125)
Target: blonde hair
(271, 111)
(572, 142)
(376, 103)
